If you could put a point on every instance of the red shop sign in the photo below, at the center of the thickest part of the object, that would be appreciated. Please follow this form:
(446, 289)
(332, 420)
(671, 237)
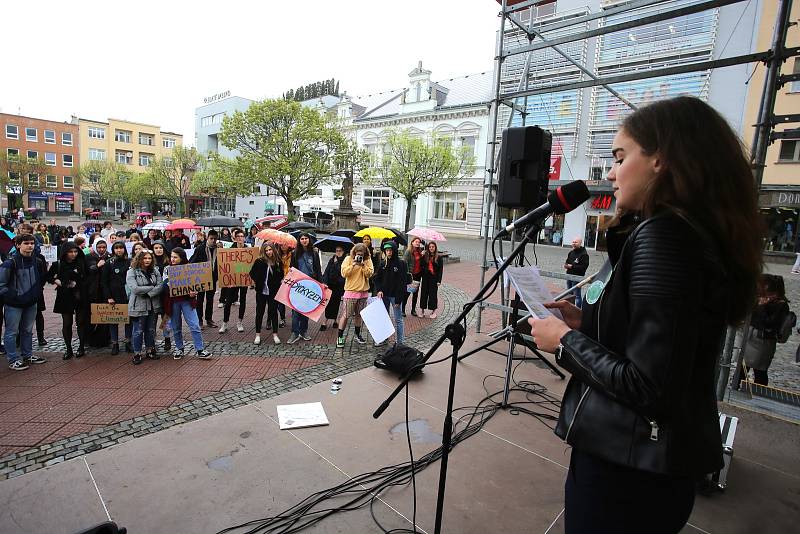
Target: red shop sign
(602, 202)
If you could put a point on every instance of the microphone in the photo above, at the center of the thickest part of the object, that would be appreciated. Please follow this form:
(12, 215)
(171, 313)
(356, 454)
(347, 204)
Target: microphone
(564, 199)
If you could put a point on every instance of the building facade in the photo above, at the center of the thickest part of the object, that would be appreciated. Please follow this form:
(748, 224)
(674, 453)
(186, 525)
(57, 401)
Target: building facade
(132, 144)
(780, 189)
(53, 191)
(584, 121)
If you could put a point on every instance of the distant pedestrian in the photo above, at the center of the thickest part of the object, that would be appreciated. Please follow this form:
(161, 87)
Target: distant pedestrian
(306, 261)
(267, 273)
(144, 304)
(766, 320)
(332, 277)
(183, 307)
(413, 259)
(68, 274)
(391, 283)
(231, 294)
(207, 252)
(357, 271)
(576, 264)
(114, 291)
(432, 271)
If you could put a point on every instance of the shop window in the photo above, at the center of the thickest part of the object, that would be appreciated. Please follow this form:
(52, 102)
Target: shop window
(450, 206)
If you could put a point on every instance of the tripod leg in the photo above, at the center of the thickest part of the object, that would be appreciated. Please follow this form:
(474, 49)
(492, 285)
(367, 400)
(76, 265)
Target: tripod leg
(509, 367)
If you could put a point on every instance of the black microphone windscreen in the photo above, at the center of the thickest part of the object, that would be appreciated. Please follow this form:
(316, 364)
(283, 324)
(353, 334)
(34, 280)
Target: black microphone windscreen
(568, 197)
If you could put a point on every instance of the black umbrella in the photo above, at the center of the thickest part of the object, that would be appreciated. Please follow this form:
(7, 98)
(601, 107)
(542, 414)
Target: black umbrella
(297, 233)
(345, 232)
(329, 244)
(218, 220)
(401, 237)
(299, 225)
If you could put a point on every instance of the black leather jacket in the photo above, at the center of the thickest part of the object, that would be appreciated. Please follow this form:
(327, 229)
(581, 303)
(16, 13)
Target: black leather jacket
(642, 363)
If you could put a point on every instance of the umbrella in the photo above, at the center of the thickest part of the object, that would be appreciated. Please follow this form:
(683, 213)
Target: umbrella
(279, 238)
(329, 244)
(6, 240)
(218, 220)
(275, 221)
(181, 224)
(345, 232)
(156, 225)
(145, 214)
(249, 224)
(400, 237)
(95, 212)
(299, 225)
(375, 232)
(427, 234)
(297, 233)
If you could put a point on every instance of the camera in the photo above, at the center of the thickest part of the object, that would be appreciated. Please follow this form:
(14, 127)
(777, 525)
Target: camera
(359, 258)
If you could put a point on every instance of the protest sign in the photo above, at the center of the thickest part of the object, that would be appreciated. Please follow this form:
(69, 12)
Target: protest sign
(129, 247)
(50, 253)
(109, 314)
(233, 266)
(190, 277)
(303, 294)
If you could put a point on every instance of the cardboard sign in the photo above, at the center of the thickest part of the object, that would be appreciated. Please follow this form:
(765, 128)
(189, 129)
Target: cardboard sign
(50, 253)
(109, 314)
(303, 294)
(190, 277)
(233, 266)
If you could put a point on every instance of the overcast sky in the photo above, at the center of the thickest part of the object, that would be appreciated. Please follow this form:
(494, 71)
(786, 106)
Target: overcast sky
(154, 61)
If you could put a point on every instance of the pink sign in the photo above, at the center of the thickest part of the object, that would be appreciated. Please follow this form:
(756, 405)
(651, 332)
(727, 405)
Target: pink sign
(303, 294)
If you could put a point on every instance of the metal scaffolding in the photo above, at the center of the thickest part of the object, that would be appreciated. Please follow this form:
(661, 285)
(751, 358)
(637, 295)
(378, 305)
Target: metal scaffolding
(510, 16)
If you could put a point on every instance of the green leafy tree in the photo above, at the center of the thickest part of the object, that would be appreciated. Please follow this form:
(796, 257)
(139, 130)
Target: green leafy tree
(281, 144)
(172, 175)
(19, 171)
(413, 167)
(143, 188)
(106, 179)
(218, 178)
(313, 90)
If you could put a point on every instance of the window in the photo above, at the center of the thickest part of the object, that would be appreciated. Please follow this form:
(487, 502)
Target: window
(50, 158)
(68, 183)
(377, 200)
(168, 162)
(52, 182)
(12, 153)
(50, 137)
(123, 156)
(145, 159)
(33, 155)
(790, 151)
(66, 138)
(122, 136)
(12, 132)
(794, 87)
(94, 177)
(145, 139)
(13, 178)
(31, 134)
(33, 180)
(95, 132)
(97, 154)
(450, 206)
(66, 160)
(168, 142)
(468, 142)
(208, 120)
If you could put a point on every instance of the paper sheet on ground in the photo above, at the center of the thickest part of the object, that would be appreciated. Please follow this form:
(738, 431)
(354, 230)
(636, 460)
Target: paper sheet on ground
(301, 415)
(532, 290)
(377, 320)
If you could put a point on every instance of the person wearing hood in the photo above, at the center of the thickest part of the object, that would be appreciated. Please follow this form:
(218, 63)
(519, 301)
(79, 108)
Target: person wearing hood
(161, 258)
(115, 291)
(95, 262)
(68, 274)
(391, 282)
(21, 282)
(332, 277)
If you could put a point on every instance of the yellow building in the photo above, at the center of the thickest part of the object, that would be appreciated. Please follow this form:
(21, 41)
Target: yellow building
(780, 192)
(129, 143)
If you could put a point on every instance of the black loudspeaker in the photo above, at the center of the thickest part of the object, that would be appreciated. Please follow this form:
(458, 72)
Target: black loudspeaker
(524, 167)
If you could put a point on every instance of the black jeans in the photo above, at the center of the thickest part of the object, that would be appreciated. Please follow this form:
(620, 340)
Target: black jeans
(208, 297)
(81, 320)
(39, 325)
(602, 497)
(230, 297)
(429, 297)
(266, 302)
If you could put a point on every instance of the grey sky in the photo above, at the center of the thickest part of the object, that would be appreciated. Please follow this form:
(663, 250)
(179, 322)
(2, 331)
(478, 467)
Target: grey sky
(154, 61)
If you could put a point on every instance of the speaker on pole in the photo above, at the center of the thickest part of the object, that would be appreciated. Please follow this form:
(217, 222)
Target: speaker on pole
(524, 167)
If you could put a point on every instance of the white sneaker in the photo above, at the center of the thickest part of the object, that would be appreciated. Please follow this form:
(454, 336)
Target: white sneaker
(433, 315)
(257, 341)
(239, 327)
(223, 328)
(220, 305)
(276, 339)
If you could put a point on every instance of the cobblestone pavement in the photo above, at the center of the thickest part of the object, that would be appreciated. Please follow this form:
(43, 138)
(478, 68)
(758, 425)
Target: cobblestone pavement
(63, 409)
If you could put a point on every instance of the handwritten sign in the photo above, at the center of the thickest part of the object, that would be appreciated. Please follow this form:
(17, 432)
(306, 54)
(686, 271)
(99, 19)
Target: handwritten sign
(109, 314)
(303, 294)
(233, 266)
(189, 277)
(50, 253)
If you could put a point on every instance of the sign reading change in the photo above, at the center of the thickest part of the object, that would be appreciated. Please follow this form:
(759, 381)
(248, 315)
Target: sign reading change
(183, 279)
(303, 294)
(109, 314)
(234, 264)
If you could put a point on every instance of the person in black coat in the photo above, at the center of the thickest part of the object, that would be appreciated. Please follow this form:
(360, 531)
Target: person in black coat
(305, 260)
(115, 292)
(68, 274)
(95, 262)
(432, 270)
(332, 277)
(576, 264)
(391, 282)
(267, 273)
(207, 251)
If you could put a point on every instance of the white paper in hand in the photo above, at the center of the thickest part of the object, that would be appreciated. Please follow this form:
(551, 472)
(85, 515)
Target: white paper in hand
(532, 290)
(377, 320)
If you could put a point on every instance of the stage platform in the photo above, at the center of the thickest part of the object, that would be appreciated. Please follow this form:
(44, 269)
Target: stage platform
(237, 466)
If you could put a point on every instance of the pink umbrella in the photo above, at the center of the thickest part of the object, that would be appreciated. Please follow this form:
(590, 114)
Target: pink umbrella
(427, 234)
(280, 238)
(182, 224)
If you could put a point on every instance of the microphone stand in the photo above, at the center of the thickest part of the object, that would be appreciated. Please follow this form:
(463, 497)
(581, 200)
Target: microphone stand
(455, 333)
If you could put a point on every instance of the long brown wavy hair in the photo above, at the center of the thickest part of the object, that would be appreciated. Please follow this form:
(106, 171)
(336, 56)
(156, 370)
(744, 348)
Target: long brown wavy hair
(706, 176)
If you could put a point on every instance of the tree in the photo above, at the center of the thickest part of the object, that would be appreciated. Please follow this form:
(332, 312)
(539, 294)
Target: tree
(106, 179)
(218, 178)
(281, 144)
(172, 175)
(142, 187)
(413, 167)
(313, 90)
(26, 174)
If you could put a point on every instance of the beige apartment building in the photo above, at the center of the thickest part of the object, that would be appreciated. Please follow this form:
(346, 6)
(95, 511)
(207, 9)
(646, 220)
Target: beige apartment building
(129, 143)
(779, 199)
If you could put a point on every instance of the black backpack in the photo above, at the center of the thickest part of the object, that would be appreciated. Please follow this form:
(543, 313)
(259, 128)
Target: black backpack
(399, 359)
(787, 325)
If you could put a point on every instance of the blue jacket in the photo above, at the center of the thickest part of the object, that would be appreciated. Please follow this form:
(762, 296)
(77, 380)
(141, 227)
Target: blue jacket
(21, 281)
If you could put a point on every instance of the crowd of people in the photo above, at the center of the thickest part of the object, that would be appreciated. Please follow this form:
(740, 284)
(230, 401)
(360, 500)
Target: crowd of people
(98, 264)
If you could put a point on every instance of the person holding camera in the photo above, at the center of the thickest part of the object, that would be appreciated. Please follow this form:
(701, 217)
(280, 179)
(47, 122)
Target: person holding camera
(357, 270)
